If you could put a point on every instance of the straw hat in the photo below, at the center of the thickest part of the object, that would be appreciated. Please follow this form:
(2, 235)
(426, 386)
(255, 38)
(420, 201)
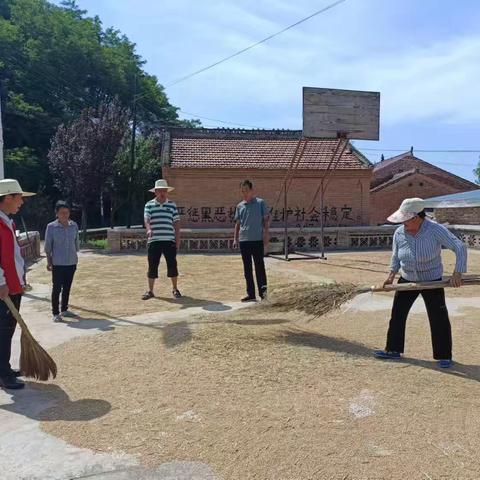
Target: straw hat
(161, 184)
(409, 209)
(9, 186)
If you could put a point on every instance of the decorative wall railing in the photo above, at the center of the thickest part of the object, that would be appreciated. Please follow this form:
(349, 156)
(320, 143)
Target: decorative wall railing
(221, 240)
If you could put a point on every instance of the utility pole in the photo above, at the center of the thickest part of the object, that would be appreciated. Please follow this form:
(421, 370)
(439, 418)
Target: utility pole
(132, 153)
(2, 167)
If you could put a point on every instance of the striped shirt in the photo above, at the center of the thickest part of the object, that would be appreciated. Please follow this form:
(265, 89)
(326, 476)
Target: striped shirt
(161, 216)
(419, 257)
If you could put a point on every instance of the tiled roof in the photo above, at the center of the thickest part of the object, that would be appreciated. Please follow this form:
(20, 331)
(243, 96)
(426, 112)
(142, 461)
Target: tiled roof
(263, 149)
(396, 178)
(389, 161)
(441, 175)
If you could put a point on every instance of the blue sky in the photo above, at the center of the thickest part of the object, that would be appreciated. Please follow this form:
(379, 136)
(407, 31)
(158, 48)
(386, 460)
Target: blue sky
(422, 55)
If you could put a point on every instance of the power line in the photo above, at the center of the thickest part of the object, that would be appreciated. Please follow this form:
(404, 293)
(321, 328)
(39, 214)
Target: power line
(253, 45)
(219, 121)
(59, 81)
(417, 150)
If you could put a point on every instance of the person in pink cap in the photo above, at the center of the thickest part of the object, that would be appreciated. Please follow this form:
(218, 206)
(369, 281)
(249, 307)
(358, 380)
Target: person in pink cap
(417, 248)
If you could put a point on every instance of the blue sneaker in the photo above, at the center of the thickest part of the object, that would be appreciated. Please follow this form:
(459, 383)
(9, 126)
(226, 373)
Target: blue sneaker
(445, 363)
(385, 355)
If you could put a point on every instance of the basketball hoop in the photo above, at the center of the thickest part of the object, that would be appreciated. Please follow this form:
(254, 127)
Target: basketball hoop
(330, 114)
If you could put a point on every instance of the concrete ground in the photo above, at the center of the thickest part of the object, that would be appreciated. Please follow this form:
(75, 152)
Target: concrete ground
(29, 453)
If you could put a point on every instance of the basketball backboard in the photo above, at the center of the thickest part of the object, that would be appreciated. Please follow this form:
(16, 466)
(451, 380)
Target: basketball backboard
(329, 113)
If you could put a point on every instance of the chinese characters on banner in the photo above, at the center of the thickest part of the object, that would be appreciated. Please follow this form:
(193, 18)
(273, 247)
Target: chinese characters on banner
(332, 216)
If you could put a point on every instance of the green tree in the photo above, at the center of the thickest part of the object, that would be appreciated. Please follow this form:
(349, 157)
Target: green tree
(55, 61)
(476, 172)
(146, 170)
(83, 154)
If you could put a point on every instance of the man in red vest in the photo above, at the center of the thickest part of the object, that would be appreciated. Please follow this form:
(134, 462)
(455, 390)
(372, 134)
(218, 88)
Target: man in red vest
(12, 277)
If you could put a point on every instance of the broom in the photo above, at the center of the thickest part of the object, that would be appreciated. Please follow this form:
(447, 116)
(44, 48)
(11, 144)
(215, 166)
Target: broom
(35, 362)
(319, 299)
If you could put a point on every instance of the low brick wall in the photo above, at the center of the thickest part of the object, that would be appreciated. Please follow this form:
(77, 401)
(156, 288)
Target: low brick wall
(221, 240)
(458, 216)
(30, 245)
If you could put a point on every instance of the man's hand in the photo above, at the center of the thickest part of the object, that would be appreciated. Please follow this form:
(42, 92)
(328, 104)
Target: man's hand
(4, 291)
(389, 280)
(456, 280)
(235, 243)
(149, 233)
(49, 267)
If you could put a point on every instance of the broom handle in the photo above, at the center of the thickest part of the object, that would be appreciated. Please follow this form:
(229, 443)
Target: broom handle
(406, 287)
(402, 287)
(15, 313)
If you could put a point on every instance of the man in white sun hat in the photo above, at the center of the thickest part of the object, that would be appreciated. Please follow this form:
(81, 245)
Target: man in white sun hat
(417, 247)
(163, 234)
(12, 277)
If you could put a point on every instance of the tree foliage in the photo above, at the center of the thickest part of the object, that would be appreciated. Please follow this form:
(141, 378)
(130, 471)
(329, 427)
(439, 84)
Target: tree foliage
(55, 62)
(476, 172)
(146, 170)
(83, 153)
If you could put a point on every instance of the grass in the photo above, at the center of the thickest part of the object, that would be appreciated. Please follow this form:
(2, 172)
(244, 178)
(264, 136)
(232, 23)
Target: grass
(100, 244)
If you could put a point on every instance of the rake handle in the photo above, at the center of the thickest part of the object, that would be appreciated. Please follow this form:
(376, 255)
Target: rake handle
(411, 286)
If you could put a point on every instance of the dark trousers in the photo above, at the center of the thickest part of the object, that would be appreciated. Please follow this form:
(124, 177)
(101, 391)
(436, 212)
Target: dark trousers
(154, 253)
(254, 250)
(437, 316)
(7, 329)
(62, 278)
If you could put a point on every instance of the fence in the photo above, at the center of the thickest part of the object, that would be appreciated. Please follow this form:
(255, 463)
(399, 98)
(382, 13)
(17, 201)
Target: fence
(221, 240)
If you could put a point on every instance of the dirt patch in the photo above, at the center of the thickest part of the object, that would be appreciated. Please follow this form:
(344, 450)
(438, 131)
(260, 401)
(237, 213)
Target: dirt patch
(111, 285)
(258, 395)
(205, 280)
(365, 268)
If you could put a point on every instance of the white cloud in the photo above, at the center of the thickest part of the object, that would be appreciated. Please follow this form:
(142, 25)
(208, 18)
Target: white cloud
(407, 50)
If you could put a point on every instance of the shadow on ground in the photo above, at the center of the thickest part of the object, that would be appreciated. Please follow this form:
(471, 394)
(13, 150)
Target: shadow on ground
(307, 338)
(190, 302)
(48, 403)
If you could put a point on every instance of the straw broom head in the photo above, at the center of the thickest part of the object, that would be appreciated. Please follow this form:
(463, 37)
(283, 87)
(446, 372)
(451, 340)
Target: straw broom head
(35, 362)
(318, 299)
(312, 298)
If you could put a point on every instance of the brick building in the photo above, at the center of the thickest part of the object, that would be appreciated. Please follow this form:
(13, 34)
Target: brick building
(206, 167)
(457, 209)
(405, 176)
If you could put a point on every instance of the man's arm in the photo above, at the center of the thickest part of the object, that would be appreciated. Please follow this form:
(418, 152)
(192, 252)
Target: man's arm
(48, 246)
(176, 227)
(77, 240)
(236, 234)
(3, 285)
(266, 225)
(266, 231)
(146, 221)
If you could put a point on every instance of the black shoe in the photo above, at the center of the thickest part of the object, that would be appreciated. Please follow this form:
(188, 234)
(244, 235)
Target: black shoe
(176, 293)
(16, 373)
(11, 383)
(248, 299)
(147, 295)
